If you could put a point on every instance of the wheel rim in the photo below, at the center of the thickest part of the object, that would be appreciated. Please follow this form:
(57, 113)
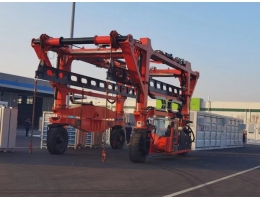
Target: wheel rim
(114, 143)
(60, 142)
(117, 139)
(120, 138)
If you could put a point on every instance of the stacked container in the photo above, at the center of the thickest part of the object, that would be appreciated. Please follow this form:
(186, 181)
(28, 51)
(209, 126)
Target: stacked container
(214, 131)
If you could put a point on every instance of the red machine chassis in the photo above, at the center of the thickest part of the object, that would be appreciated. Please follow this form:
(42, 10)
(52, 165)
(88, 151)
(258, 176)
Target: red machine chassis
(128, 62)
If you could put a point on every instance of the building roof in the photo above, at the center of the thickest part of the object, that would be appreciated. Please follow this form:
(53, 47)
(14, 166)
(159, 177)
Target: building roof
(18, 84)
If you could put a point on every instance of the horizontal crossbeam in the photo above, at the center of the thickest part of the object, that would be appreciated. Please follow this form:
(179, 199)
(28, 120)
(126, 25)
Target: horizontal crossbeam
(69, 78)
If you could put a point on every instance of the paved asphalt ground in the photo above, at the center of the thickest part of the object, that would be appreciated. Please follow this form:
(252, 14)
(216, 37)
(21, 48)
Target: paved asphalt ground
(81, 173)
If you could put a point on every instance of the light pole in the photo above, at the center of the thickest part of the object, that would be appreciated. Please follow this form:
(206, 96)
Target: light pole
(71, 36)
(72, 20)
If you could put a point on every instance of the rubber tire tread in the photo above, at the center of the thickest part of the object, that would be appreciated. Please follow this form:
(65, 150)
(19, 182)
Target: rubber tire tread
(113, 135)
(51, 140)
(134, 152)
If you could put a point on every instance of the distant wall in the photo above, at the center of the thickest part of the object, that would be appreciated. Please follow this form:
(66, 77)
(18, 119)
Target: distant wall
(11, 98)
(248, 111)
(47, 104)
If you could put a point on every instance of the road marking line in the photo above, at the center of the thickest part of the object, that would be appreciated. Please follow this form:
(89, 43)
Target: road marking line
(241, 154)
(209, 183)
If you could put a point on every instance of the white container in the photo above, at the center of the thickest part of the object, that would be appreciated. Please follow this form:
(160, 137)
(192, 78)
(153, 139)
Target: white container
(213, 131)
(40, 124)
(253, 133)
(8, 127)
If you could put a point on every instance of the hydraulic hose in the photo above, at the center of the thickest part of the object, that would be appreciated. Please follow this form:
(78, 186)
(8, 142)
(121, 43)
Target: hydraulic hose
(193, 136)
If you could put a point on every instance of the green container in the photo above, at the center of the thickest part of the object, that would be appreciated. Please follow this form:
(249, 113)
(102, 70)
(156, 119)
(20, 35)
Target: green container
(194, 104)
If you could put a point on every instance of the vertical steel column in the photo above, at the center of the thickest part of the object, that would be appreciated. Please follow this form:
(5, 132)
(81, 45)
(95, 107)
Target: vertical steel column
(71, 36)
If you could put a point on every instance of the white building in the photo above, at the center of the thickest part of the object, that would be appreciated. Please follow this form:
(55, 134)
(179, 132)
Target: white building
(249, 112)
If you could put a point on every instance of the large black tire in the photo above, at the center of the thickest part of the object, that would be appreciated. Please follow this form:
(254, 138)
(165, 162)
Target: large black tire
(117, 138)
(57, 140)
(138, 147)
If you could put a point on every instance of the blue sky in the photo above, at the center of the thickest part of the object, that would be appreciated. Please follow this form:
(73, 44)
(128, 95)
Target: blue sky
(221, 40)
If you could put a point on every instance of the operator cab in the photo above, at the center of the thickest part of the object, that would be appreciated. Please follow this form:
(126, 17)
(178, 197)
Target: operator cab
(162, 126)
(163, 141)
